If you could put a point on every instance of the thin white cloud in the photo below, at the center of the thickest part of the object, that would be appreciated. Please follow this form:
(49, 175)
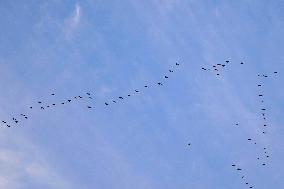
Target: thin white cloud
(20, 163)
(72, 23)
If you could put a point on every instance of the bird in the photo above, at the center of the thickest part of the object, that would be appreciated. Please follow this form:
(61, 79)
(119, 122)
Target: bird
(52, 94)
(263, 164)
(160, 83)
(89, 106)
(247, 183)
(239, 169)
(90, 97)
(275, 72)
(39, 102)
(263, 109)
(47, 106)
(171, 71)
(146, 86)
(128, 95)
(242, 63)
(62, 102)
(26, 117)
(106, 103)
(88, 94)
(69, 100)
(249, 138)
(53, 104)
(223, 65)
(233, 165)
(267, 156)
(188, 144)
(218, 64)
(237, 124)
(218, 74)
(243, 177)
(260, 95)
(31, 107)
(42, 108)
(227, 61)
(166, 77)
(16, 121)
(250, 187)
(136, 91)
(8, 126)
(214, 66)
(120, 97)
(177, 64)
(259, 85)
(80, 97)
(114, 101)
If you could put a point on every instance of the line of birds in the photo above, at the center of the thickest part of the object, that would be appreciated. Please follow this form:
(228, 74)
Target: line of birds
(88, 95)
(217, 68)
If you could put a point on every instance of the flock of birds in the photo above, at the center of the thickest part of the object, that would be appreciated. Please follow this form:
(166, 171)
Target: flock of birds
(217, 68)
(41, 106)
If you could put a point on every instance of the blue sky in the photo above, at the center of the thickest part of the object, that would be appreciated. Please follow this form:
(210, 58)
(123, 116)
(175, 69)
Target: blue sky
(110, 48)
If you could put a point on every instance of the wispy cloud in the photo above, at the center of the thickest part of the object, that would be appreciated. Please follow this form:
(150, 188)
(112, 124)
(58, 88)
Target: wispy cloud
(73, 22)
(20, 163)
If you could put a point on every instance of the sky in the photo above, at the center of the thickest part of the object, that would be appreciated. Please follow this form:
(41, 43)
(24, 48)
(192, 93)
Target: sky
(111, 48)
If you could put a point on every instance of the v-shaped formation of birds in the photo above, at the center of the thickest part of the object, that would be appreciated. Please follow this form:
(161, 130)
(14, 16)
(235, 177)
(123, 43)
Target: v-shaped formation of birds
(264, 158)
(216, 69)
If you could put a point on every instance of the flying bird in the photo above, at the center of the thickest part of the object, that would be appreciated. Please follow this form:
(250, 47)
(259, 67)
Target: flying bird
(89, 106)
(120, 97)
(106, 103)
(160, 83)
(177, 64)
(166, 77)
(136, 91)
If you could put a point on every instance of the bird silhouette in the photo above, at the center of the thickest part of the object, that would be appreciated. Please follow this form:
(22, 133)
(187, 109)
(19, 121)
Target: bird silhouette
(106, 104)
(89, 106)
(120, 97)
(166, 77)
